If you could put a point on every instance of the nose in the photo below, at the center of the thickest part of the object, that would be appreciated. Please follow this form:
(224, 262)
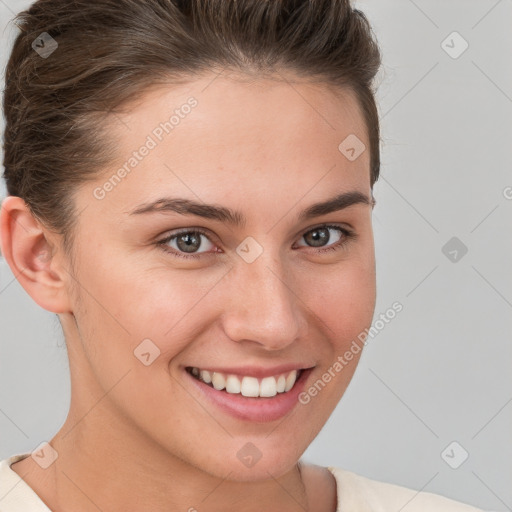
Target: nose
(264, 308)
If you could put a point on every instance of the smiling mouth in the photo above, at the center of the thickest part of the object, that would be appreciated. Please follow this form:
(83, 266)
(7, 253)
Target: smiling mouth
(246, 385)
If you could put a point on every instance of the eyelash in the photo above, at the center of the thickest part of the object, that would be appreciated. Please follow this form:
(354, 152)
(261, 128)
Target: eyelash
(347, 237)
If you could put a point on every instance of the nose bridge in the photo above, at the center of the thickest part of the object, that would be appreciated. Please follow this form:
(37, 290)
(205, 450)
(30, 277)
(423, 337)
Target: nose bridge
(264, 307)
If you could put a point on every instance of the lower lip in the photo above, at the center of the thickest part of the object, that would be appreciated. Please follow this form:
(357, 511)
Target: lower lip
(261, 409)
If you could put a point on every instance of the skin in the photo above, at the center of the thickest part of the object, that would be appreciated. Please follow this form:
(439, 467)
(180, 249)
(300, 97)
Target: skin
(139, 436)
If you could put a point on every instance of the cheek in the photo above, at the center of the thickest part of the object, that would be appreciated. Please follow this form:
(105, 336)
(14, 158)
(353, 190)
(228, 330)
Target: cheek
(122, 303)
(343, 305)
(345, 299)
(142, 300)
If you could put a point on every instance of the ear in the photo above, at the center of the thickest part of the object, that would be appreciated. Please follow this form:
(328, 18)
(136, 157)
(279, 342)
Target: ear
(34, 259)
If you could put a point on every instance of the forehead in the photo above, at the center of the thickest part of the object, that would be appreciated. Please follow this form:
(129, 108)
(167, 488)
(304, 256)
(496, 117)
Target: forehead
(270, 101)
(237, 135)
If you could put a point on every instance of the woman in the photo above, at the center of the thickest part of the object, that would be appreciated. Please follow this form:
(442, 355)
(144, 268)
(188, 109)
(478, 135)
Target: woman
(190, 191)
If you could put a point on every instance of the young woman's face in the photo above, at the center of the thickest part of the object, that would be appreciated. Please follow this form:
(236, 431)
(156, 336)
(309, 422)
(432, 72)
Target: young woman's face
(273, 292)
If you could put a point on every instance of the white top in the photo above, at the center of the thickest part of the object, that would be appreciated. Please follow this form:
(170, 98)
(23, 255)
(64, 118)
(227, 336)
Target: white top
(356, 493)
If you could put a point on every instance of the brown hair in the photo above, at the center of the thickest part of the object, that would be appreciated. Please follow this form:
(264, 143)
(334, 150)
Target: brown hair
(110, 51)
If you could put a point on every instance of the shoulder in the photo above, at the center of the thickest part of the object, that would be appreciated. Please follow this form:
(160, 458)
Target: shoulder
(356, 492)
(15, 494)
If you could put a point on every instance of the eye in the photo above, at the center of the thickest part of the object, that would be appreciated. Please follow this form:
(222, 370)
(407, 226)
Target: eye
(186, 243)
(320, 235)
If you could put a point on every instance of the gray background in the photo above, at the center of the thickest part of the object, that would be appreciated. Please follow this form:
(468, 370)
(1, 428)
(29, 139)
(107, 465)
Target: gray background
(440, 371)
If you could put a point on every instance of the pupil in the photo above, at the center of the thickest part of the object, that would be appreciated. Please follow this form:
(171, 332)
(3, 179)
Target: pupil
(319, 235)
(192, 242)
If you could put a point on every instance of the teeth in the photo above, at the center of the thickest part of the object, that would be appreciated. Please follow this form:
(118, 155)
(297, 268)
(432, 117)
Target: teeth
(232, 384)
(290, 380)
(205, 375)
(218, 381)
(248, 386)
(268, 386)
(281, 384)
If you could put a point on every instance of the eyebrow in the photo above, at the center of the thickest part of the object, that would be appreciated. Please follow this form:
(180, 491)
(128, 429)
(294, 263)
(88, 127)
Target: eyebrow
(236, 218)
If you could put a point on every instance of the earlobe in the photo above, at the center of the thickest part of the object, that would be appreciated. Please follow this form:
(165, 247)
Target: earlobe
(26, 247)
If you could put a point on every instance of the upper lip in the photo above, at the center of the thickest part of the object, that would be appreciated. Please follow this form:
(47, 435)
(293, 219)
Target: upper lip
(255, 371)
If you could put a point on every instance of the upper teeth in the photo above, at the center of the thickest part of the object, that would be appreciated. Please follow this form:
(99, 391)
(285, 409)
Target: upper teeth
(248, 386)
